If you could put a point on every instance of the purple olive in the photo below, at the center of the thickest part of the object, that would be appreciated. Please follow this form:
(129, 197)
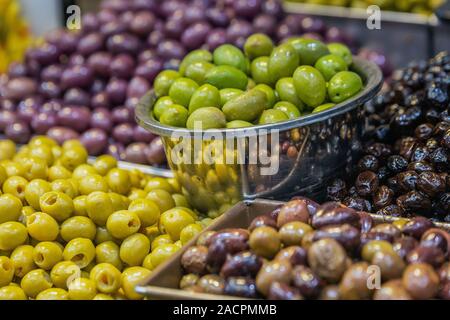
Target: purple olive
(20, 88)
(105, 16)
(335, 34)
(76, 59)
(76, 96)
(117, 150)
(52, 72)
(26, 111)
(113, 27)
(101, 119)
(90, 43)
(123, 133)
(116, 91)
(149, 69)
(49, 89)
(174, 26)
(61, 134)
(155, 152)
(19, 132)
(16, 70)
(46, 54)
(194, 14)
(311, 24)
(143, 23)
(68, 43)
(137, 87)
(89, 22)
(122, 66)
(265, 23)
(100, 62)
(142, 135)
(100, 100)
(135, 153)
(114, 5)
(123, 43)
(239, 29)
(43, 122)
(144, 5)
(154, 38)
(7, 117)
(95, 141)
(171, 49)
(218, 17)
(247, 8)
(194, 36)
(7, 104)
(273, 8)
(122, 115)
(168, 7)
(51, 106)
(77, 76)
(76, 118)
(216, 38)
(147, 54)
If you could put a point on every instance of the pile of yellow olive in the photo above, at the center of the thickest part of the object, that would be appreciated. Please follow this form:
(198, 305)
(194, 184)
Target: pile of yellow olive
(73, 230)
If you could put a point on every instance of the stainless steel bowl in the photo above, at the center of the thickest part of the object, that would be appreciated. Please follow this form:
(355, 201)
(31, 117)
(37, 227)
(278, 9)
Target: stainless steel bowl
(312, 150)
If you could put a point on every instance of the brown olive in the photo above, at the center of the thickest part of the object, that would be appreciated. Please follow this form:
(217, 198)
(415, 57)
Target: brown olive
(383, 197)
(204, 238)
(431, 255)
(370, 236)
(296, 255)
(444, 272)
(293, 232)
(306, 281)
(392, 290)
(193, 260)
(228, 241)
(431, 183)
(345, 234)
(188, 280)
(435, 237)
(327, 258)
(390, 264)
(387, 228)
(354, 283)
(417, 226)
(240, 287)
(307, 240)
(312, 205)
(365, 221)
(262, 221)
(294, 210)
(273, 271)
(245, 264)
(333, 214)
(421, 281)
(366, 183)
(282, 291)
(265, 241)
(330, 292)
(404, 245)
(212, 283)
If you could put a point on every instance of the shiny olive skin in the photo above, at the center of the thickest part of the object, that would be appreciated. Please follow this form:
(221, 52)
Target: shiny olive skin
(10, 207)
(198, 70)
(123, 223)
(12, 292)
(288, 108)
(323, 107)
(230, 55)
(42, 227)
(272, 116)
(164, 81)
(271, 94)
(194, 56)
(353, 285)
(81, 251)
(108, 252)
(12, 235)
(53, 294)
(226, 76)
(99, 207)
(6, 271)
(162, 198)
(310, 86)
(296, 255)
(205, 96)
(341, 50)
(283, 61)
(181, 91)
(247, 106)
(107, 278)
(35, 282)
(82, 289)
(22, 260)
(270, 272)
(63, 272)
(46, 254)
(206, 118)
(286, 91)
(292, 233)
(175, 115)
(309, 50)
(258, 45)
(228, 94)
(327, 259)
(294, 210)
(421, 281)
(265, 241)
(161, 105)
(259, 70)
(329, 65)
(134, 249)
(344, 85)
(306, 281)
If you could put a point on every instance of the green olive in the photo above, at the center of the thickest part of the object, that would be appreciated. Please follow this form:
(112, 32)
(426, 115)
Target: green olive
(283, 61)
(272, 96)
(6, 271)
(108, 252)
(161, 105)
(134, 249)
(235, 124)
(174, 220)
(341, 50)
(310, 86)
(123, 223)
(35, 282)
(247, 107)
(206, 118)
(329, 65)
(230, 55)
(104, 163)
(78, 227)
(164, 81)
(259, 70)
(288, 108)
(344, 85)
(42, 227)
(205, 96)
(12, 235)
(194, 56)
(181, 91)
(46, 254)
(57, 204)
(162, 198)
(225, 76)
(11, 207)
(258, 45)
(272, 116)
(99, 207)
(323, 107)
(228, 94)
(81, 251)
(197, 71)
(175, 115)
(147, 211)
(309, 50)
(286, 91)
(107, 277)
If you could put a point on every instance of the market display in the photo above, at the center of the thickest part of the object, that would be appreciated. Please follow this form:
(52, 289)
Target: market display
(425, 7)
(406, 163)
(306, 251)
(267, 84)
(72, 230)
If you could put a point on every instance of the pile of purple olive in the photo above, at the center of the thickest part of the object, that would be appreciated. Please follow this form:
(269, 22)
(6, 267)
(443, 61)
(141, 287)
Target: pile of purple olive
(85, 84)
(405, 170)
(306, 251)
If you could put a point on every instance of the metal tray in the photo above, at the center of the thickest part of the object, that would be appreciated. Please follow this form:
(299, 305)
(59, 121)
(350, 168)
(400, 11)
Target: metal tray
(164, 280)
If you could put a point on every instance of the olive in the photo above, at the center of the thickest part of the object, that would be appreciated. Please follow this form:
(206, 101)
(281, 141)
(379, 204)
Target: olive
(258, 45)
(404, 245)
(282, 291)
(354, 283)
(283, 61)
(421, 281)
(243, 264)
(310, 86)
(333, 214)
(265, 241)
(193, 260)
(240, 287)
(211, 283)
(262, 221)
(307, 282)
(270, 272)
(188, 280)
(328, 259)
(347, 235)
(435, 238)
(296, 255)
(330, 292)
(294, 210)
(390, 264)
(392, 290)
(293, 232)
(417, 226)
(225, 242)
(430, 255)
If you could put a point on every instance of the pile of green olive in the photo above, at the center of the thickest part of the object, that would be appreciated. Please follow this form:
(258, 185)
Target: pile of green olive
(263, 84)
(72, 230)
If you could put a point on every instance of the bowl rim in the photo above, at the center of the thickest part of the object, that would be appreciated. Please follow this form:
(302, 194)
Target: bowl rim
(369, 71)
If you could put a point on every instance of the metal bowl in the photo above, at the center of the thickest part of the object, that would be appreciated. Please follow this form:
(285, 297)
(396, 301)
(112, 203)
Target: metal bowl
(218, 168)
